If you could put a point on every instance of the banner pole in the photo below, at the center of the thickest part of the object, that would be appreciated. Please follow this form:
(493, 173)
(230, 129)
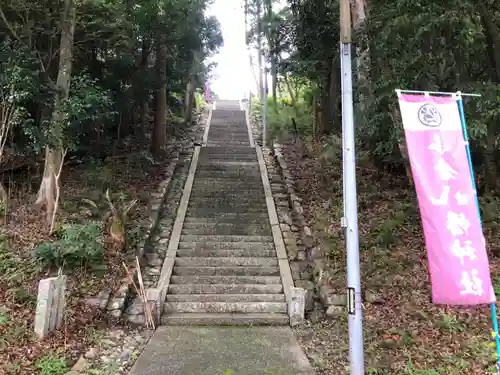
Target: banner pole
(467, 148)
(354, 302)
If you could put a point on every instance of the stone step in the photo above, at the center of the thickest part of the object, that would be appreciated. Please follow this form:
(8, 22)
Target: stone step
(226, 271)
(222, 157)
(245, 153)
(231, 218)
(219, 194)
(205, 211)
(226, 245)
(228, 186)
(225, 289)
(223, 187)
(237, 138)
(225, 307)
(229, 238)
(228, 164)
(224, 141)
(226, 253)
(237, 182)
(225, 319)
(225, 279)
(225, 176)
(226, 298)
(228, 229)
(225, 262)
(225, 204)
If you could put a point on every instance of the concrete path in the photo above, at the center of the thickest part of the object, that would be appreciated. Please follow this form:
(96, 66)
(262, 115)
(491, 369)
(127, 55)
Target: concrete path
(181, 350)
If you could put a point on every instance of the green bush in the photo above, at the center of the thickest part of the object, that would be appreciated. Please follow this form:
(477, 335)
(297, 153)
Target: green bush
(279, 118)
(79, 245)
(52, 365)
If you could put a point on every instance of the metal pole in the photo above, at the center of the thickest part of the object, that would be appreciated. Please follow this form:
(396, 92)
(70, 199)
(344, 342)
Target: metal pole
(264, 111)
(471, 169)
(354, 303)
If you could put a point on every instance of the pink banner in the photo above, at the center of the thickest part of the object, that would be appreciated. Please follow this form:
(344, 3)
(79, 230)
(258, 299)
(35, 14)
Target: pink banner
(207, 93)
(458, 262)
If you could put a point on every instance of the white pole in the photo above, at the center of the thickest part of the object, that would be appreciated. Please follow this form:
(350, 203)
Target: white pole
(264, 112)
(354, 305)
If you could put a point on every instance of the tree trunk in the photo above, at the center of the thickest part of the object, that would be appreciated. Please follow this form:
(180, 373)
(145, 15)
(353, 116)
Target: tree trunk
(362, 50)
(492, 34)
(259, 49)
(144, 91)
(188, 102)
(159, 137)
(55, 152)
(272, 53)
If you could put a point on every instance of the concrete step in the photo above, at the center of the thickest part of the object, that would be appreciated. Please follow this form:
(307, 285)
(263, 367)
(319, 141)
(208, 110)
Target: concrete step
(226, 245)
(225, 262)
(231, 218)
(205, 202)
(218, 194)
(226, 271)
(229, 230)
(229, 175)
(225, 164)
(225, 289)
(226, 253)
(225, 279)
(226, 157)
(225, 319)
(215, 210)
(223, 142)
(229, 238)
(226, 298)
(231, 184)
(194, 223)
(225, 307)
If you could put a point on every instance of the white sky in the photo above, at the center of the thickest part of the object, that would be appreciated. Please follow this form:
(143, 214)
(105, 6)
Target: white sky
(233, 76)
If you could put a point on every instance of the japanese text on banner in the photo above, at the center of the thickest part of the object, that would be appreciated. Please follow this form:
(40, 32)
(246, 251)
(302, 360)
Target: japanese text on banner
(458, 261)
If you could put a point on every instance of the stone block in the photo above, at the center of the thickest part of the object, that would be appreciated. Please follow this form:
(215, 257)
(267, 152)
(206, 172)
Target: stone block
(50, 305)
(296, 306)
(309, 287)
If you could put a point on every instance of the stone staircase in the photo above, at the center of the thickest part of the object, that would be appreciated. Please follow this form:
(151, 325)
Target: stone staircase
(225, 270)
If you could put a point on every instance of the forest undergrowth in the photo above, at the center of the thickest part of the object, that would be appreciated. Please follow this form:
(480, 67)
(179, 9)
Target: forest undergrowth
(404, 333)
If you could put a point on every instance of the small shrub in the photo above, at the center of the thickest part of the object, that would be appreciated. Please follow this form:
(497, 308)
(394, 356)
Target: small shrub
(449, 323)
(52, 365)
(79, 245)
(9, 263)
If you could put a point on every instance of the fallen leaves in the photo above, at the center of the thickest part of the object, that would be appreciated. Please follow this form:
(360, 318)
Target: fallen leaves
(24, 228)
(406, 334)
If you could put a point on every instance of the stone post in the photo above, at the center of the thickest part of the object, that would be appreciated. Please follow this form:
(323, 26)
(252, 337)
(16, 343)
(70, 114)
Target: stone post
(296, 306)
(50, 305)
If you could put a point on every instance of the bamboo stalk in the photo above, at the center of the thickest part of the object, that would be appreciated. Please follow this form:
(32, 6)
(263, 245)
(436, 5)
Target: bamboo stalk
(139, 289)
(147, 308)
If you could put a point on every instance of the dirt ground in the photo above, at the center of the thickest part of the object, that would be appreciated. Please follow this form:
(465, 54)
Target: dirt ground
(404, 332)
(128, 176)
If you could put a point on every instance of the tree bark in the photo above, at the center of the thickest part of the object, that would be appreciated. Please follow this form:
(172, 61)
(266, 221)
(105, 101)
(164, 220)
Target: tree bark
(55, 150)
(144, 91)
(160, 126)
(188, 102)
(259, 49)
(492, 34)
(272, 53)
